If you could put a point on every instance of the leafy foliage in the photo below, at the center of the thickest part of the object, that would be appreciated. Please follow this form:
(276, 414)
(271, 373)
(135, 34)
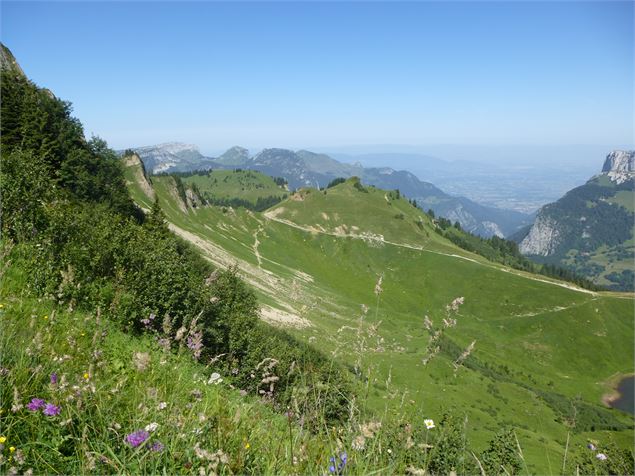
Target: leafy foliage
(65, 200)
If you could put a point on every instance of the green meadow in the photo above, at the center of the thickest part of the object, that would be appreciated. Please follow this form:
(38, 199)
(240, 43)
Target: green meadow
(362, 275)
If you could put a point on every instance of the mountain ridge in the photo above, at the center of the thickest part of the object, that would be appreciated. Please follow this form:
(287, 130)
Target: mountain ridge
(304, 168)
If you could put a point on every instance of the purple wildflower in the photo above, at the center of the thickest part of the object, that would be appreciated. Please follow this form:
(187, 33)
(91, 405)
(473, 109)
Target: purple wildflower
(341, 466)
(601, 456)
(36, 404)
(51, 410)
(195, 343)
(54, 378)
(591, 446)
(136, 438)
(157, 446)
(147, 322)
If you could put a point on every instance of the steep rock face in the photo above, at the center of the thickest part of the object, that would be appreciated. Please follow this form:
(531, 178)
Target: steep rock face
(619, 165)
(590, 229)
(136, 164)
(8, 61)
(543, 238)
(173, 157)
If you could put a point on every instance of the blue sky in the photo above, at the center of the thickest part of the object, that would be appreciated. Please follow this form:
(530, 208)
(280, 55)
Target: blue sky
(335, 74)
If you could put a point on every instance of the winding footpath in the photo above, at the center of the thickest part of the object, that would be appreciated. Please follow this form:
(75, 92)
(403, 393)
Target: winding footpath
(272, 215)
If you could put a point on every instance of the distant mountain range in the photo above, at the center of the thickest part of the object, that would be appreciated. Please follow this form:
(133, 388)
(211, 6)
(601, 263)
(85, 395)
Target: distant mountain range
(590, 229)
(303, 168)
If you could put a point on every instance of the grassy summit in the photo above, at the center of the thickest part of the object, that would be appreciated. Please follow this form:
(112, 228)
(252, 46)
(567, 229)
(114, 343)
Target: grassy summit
(220, 186)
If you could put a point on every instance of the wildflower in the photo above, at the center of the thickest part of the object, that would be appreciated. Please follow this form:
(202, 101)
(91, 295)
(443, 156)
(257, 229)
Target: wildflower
(339, 469)
(152, 426)
(157, 447)
(137, 438)
(214, 379)
(54, 378)
(591, 446)
(148, 321)
(3, 439)
(86, 376)
(12, 449)
(429, 424)
(195, 343)
(162, 406)
(46, 317)
(51, 410)
(601, 456)
(141, 360)
(36, 404)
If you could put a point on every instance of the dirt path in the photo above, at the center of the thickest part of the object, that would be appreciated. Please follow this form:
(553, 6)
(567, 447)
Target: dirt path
(255, 246)
(272, 215)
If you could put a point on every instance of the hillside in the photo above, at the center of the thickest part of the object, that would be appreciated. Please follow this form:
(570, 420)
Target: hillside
(307, 169)
(146, 331)
(590, 229)
(315, 259)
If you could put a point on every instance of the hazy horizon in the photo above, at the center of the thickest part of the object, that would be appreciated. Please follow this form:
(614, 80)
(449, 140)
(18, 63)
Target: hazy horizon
(327, 76)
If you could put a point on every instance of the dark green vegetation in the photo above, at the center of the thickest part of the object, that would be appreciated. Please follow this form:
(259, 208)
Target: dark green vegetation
(505, 252)
(594, 224)
(133, 322)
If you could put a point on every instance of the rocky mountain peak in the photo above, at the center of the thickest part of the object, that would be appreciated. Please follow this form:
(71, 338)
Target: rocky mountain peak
(8, 61)
(620, 165)
(234, 156)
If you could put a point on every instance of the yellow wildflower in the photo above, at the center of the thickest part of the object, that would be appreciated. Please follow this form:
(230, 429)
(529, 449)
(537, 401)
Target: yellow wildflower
(86, 376)
(2, 439)
(11, 449)
(46, 317)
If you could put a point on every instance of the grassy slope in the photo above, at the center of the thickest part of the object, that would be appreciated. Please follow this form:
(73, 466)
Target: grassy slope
(112, 397)
(244, 184)
(564, 340)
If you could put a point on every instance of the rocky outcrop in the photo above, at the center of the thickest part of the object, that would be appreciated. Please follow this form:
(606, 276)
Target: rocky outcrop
(8, 61)
(543, 238)
(193, 200)
(136, 165)
(619, 165)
